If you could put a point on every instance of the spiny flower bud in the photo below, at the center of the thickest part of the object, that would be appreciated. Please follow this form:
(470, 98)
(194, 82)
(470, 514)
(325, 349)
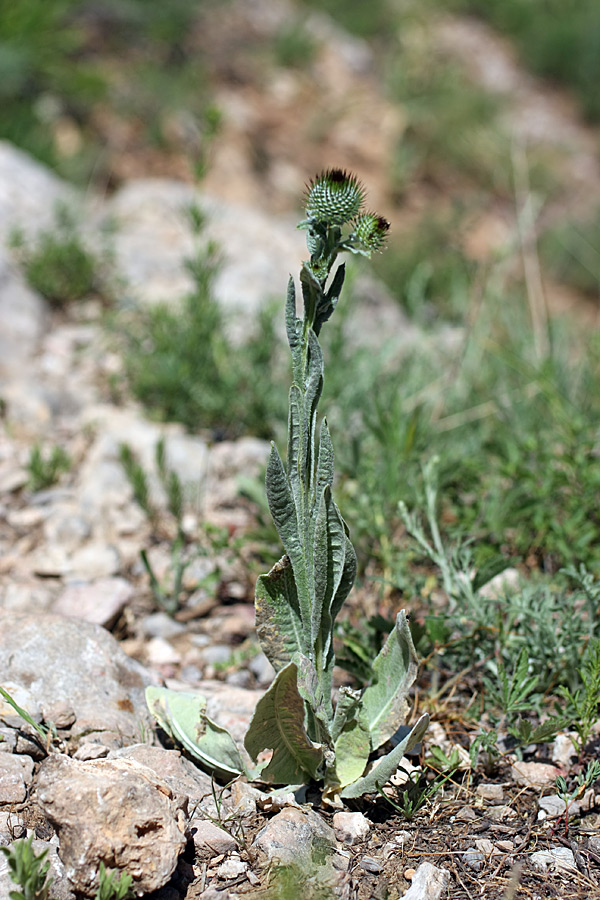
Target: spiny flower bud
(371, 230)
(334, 196)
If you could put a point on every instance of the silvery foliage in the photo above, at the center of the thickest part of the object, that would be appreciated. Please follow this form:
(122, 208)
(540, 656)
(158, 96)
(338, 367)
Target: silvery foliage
(298, 600)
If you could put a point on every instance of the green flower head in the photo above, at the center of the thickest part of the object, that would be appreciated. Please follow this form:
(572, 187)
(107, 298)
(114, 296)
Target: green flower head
(371, 230)
(335, 196)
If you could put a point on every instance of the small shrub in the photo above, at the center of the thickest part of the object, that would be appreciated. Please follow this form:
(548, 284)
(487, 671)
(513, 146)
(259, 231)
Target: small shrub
(57, 264)
(183, 367)
(46, 468)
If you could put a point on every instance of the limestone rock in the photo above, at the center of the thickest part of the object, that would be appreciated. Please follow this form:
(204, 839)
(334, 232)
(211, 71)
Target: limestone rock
(533, 774)
(428, 883)
(23, 318)
(210, 840)
(295, 837)
(16, 773)
(58, 659)
(185, 780)
(114, 811)
(29, 193)
(98, 602)
(350, 827)
(556, 859)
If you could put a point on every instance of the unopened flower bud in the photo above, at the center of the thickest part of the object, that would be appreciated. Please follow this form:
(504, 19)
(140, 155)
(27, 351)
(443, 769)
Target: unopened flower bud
(334, 196)
(371, 230)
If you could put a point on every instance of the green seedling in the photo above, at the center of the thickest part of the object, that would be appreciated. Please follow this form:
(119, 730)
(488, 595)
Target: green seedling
(28, 871)
(583, 781)
(582, 704)
(485, 747)
(418, 789)
(170, 593)
(45, 469)
(512, 692)
(298, 601)
(113, 887)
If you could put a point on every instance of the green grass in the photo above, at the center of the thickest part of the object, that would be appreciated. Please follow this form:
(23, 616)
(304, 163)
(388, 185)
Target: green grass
(559, 39)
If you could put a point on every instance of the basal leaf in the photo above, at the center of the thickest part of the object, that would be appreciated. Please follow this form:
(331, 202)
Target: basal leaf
(278, 622)
(182, 715)
(386, 767)
(278, 725)
(384, 701)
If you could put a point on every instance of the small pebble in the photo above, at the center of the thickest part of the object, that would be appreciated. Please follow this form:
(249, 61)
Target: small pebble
(370, 864)
(409, 874)
(466, 814)
(493, 793)
(501, 813)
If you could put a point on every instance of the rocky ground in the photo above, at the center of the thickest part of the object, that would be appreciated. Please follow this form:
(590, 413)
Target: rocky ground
(80, 636)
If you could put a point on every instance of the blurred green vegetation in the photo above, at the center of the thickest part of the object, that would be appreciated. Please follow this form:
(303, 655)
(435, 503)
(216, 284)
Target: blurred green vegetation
(66, 63)
(571, 251)
(559, 39)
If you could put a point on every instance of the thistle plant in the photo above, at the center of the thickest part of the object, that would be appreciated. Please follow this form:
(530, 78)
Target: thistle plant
(298, 601)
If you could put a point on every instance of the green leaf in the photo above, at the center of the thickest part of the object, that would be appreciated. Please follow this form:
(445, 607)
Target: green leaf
(386, 766)
(283, 510)
(182, 715)
(385, 701)
(325, 459)
(329, 559)
(292, 322)
(278, 622)
(317, 705)
(352, 750)
(347, 578)
(347, 708)
(281, 503)
(278, 725)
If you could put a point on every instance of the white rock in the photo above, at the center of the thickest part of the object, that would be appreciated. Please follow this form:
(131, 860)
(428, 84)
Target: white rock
(231, 868)
(563, 750)
(29, 193)
(23, 318)
(428, 883)
(533, 774)
(161, 652)
(556, 859)
(492, 793)
(99, 602)
(95, 560)
(78, 663)
(114, 811)
(16, 773)
(350, 827)
(210, 840)
(500, 584)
